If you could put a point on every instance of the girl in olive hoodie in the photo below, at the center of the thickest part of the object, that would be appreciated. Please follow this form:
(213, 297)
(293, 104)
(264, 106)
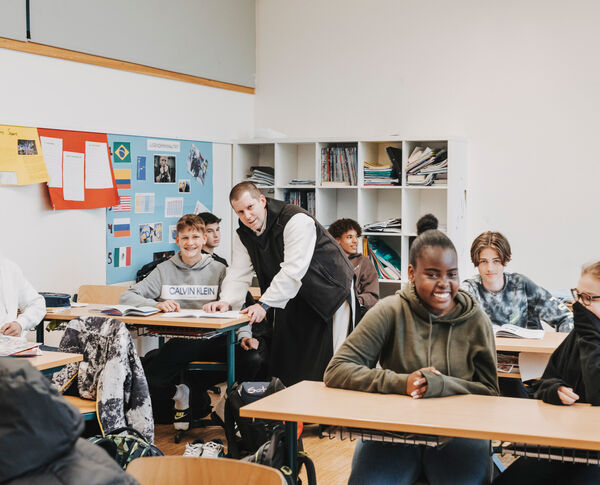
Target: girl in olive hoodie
(431, 340)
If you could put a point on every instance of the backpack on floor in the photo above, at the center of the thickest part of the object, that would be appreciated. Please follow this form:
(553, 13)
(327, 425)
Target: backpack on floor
(246, 435)
(125, 444)
(273, 453)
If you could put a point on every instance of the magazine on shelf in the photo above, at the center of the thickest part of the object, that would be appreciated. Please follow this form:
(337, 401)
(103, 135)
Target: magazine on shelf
(200, 314)
(130, 311)
(14, 346)
(513, 331)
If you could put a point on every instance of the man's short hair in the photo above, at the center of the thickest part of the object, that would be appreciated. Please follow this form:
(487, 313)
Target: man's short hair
(209, 218)
(190, 221)
(494, 240)
(239, 189)
(338, 228)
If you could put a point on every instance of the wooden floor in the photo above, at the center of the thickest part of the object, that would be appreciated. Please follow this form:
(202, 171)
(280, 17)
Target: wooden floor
(332, 458)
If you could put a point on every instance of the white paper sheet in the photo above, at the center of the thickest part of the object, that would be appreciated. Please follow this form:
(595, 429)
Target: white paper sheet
(200, 207)
(200, 314)
(173, 206)
(144, 203)
(9, 178)
(52, 149)
(532, 365)
(97, 168)
(73, 173)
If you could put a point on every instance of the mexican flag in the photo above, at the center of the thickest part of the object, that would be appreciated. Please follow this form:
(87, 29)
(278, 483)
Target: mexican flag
(122, 257)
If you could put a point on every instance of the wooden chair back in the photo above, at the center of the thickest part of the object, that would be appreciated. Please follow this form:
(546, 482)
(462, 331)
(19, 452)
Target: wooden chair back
(103, 294)
(184, 470)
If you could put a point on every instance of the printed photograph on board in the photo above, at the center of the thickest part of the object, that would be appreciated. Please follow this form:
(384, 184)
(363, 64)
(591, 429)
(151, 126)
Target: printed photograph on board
(164, 169)
(184, 185)
(151, 232)
(197, 165)
(26, 147)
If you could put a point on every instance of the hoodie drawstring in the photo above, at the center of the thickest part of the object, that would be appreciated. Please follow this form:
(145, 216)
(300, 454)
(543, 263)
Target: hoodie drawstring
(429, 343)
(448, 350)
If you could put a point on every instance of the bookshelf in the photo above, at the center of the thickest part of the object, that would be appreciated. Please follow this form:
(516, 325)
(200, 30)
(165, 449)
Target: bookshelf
(301, 160)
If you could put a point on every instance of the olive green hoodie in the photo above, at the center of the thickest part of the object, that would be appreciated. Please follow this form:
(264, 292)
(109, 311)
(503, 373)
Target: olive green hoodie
(404, 336)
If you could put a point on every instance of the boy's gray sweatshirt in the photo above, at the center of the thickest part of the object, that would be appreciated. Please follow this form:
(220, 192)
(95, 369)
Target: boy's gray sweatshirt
(190, 286)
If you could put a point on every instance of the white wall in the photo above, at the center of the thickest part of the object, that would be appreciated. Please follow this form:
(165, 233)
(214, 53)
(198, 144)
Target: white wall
(518, 79)
(60, 250)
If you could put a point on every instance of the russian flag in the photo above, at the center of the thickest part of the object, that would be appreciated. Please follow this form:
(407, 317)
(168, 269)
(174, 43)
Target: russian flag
(123, 178)
(122, 257)
(122, 227)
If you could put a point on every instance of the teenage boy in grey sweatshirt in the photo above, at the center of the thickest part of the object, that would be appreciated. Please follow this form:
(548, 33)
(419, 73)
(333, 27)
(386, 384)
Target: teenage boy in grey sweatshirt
(188, 280)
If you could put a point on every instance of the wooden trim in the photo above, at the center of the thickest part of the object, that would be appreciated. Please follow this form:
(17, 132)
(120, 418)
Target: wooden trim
(69, 55)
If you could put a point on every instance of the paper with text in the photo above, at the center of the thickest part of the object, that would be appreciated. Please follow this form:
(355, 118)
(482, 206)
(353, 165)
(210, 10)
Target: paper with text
(53, 156)
(97, 167)
(73, 176)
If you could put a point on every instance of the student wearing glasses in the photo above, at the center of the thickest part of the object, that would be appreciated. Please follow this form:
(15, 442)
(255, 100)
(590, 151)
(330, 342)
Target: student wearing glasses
(511, 297)
(571, 376)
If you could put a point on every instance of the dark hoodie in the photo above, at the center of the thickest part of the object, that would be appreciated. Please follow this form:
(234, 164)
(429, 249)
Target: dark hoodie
(39, 435)
(404, 336)
(575, 363)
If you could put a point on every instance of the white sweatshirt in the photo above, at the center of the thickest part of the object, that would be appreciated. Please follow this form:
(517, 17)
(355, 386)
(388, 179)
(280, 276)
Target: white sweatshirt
(16, 293)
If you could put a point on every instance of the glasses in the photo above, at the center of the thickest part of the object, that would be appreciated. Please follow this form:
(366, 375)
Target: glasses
(584, 298)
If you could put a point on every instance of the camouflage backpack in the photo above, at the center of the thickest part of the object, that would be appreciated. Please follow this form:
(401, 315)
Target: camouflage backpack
(125, 445)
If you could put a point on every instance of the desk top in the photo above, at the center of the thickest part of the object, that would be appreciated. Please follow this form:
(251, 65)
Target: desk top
(468, 416)
(93, 310)
(545, 345)
(48, 359)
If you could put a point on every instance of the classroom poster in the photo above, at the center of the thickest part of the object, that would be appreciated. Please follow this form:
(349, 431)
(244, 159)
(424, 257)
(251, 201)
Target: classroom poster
(158, 180)
(21, 160)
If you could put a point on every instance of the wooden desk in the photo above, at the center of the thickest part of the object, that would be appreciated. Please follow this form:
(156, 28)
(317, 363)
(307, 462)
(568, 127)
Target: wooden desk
(49, 361)
(227, 326)
(255, 292)
(467, 416)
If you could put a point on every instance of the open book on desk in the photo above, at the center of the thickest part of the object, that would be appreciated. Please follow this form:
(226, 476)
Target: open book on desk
(200, 314)
(513, 331)
(17, 347)
(130, 311)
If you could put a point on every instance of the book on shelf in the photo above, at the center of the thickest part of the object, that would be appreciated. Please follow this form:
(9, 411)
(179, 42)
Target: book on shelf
(190, 313)
(302, 198)
(301, 182)
(384, 258)
(260, 175)
(17, 346)
(393, 225)
(338, 165)
(379, 174)
(427, 166)
(513, 331)
(128, 310)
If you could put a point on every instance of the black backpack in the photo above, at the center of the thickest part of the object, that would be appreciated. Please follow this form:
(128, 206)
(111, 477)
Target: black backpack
(273, 454)
(148, 267)
(246, 435)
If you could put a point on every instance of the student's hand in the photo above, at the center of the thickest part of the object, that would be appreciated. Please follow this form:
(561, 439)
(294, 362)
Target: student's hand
(168, 306)
(567, 396)
(12, 329)
(416, 384)
(217, 306)
(256, 313)
(248, 343)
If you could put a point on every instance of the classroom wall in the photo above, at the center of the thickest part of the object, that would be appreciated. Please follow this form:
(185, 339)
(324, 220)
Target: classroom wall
(518, 79)
(60, 250)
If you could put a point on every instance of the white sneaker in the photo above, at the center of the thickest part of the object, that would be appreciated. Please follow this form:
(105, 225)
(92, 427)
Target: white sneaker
(212, 449)
(193, 449)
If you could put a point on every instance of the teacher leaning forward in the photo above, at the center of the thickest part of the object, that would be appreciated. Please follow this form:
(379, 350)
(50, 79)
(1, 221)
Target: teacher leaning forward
(305, 280)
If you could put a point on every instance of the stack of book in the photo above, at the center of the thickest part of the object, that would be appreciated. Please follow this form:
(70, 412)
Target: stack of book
(384, 258)
(302, 198)
(302, 182)
(379, 175)
(391, 225)
(264, 176)
(338, 166)
(427, 166)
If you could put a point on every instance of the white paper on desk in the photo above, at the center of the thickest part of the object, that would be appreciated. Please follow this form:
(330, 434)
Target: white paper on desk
(97, 168)
(532, 365)
(73, 174)
(52, 148)
(199, 314)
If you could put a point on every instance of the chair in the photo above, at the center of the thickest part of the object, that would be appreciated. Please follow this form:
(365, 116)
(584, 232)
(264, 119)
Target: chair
(86, 407)
(103, 294)
(183, 470)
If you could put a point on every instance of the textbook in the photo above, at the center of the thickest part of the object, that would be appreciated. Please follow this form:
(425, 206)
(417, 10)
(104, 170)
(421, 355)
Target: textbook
(15, 345)
(128, 310)
(513, 331)
(200, 314)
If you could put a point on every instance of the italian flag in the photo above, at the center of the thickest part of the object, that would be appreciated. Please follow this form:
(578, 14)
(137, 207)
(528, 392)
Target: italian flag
(122, 257)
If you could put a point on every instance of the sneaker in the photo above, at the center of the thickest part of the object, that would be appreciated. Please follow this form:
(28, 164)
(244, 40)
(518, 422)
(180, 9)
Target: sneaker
(213, 449)
(194, 449)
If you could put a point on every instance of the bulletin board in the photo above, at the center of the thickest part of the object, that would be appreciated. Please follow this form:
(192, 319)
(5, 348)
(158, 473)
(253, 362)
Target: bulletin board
(158, 180)
(80, 172)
